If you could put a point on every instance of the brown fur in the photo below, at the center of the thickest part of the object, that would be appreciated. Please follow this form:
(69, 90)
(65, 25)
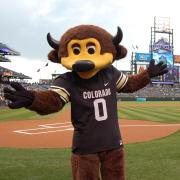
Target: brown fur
(53, 56)
(136, 82)
(46, 102)
(110, 163)
(88, 31)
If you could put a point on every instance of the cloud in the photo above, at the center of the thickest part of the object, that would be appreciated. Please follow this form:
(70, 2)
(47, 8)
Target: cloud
(25, 23)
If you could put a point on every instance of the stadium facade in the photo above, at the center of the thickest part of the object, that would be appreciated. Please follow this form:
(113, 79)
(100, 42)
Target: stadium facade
(161, 48)
(5, 52)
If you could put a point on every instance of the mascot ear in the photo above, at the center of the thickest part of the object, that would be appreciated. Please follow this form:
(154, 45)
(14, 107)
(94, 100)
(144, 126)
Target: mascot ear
(53, 56)
(121, 52)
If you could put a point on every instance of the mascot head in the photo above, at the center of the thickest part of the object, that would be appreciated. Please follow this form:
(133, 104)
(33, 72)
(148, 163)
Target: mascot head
(86, 49)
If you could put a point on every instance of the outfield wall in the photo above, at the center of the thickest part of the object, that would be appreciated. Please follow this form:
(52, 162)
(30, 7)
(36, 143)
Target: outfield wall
(143, 99)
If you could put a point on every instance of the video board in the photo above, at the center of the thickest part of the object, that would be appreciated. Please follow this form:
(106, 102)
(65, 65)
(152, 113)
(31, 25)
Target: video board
(169, 78)
(166, 58)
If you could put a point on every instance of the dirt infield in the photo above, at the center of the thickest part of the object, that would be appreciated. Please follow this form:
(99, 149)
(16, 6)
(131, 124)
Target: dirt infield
(57, 132)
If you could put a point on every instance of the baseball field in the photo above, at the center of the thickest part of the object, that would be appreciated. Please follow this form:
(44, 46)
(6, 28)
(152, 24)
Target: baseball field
(34, 147)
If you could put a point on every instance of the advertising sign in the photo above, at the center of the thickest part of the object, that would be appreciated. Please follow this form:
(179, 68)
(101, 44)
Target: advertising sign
(143, 57)
(162, 46)
(176, 58)
(172, 75)
(140, 68)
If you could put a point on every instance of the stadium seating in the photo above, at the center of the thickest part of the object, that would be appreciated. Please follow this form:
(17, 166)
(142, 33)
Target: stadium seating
(156, 90)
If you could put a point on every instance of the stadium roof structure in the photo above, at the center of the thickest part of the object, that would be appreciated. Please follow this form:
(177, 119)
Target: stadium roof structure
(12, 74)
(6, 50)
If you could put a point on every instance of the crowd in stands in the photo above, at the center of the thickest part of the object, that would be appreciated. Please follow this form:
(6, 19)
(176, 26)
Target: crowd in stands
(151, 90)
(29, 86)
(3, 102)
(36, 86)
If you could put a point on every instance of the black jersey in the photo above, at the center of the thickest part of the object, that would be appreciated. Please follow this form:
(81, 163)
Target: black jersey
(93, 108)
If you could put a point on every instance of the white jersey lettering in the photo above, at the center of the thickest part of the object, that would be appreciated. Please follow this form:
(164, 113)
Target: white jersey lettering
(96, 94)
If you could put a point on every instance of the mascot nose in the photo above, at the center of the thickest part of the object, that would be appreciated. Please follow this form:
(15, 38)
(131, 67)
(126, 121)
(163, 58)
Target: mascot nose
(83, 65)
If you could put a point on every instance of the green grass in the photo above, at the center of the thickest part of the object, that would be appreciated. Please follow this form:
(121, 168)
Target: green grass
(167, 112)
(154, 160)
(19, 114)
(35, 164)
(7, 114)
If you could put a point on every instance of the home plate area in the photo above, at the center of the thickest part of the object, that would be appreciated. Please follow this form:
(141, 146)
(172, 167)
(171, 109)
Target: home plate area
(55, 134)
(47, 128)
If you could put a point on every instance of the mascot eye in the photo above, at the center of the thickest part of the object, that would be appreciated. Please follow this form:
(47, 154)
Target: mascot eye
(91, 48)
(76, 49)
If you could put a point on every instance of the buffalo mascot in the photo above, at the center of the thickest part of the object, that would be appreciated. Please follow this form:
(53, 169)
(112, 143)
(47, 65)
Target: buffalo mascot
(90, 86)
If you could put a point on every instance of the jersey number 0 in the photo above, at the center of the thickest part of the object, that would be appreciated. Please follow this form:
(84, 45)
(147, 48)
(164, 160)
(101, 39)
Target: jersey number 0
(98, 116)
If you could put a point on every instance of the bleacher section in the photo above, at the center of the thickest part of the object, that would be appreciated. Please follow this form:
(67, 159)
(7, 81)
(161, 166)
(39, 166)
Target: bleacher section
(6, 50)
(7, 74)
(12, 74)
(155, 91)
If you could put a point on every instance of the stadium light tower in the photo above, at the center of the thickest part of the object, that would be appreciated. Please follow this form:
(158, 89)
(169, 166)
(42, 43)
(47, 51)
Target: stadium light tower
(161, 28)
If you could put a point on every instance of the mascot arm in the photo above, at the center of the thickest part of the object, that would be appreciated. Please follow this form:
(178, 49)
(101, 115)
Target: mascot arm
(43, 102)
(46, 102)
(136, 82)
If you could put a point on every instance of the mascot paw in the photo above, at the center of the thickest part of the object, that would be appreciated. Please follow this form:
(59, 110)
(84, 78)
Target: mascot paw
(158, 69)
(20, 97)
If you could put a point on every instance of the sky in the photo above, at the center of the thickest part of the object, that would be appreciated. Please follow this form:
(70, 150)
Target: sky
(25, 24)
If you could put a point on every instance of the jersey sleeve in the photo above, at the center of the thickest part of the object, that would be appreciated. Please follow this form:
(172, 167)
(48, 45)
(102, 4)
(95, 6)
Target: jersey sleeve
(61, 86)
(120, 78)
